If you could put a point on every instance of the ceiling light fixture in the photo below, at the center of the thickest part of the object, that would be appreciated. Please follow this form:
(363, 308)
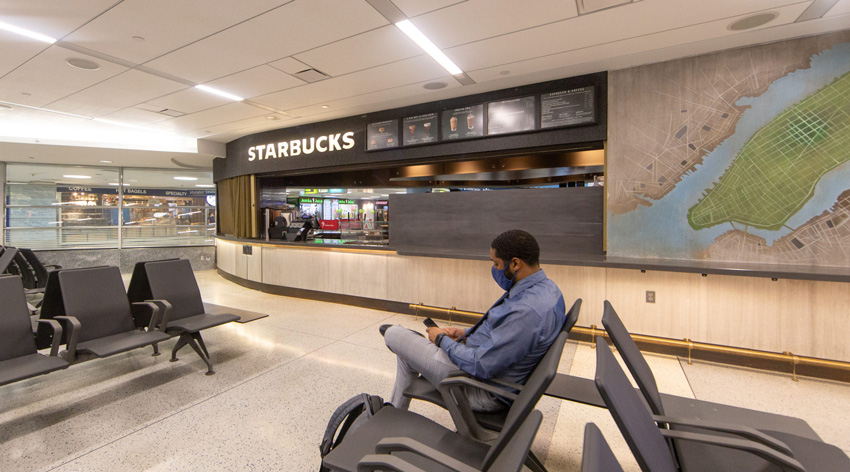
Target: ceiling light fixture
(73, 176)
(80, 63)
(752, 21)
(219, 93)
(27, 33)
(205, 185)
(185, 178)
(6, 108)
(325, 107)
(44, 109)
(435, 85)
(105, 162)
(412, 32)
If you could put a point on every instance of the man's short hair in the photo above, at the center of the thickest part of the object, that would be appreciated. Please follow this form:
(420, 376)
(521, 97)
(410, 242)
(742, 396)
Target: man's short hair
(517, 243)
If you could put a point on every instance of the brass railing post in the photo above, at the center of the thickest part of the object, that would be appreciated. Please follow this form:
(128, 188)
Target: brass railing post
(690, 346)
(593, 336)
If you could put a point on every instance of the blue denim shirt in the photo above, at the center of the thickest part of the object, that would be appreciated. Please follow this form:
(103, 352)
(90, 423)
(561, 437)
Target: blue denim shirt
(518, 331)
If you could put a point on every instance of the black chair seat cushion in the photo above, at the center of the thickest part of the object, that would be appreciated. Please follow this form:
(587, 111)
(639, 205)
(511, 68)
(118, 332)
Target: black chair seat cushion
(121, 342)
(815, 455)
(392, 422)
(193, 324)
(421, 389)
(20, 368)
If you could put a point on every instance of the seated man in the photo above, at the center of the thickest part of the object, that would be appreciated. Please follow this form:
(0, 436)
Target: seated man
(508, 341)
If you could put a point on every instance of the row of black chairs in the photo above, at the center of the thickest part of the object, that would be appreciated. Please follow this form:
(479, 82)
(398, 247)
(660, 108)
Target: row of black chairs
(712, 438)
(26, 264)
(89, 312)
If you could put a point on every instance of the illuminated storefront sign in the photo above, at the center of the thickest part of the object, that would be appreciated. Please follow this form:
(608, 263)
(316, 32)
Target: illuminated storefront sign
(296, 147)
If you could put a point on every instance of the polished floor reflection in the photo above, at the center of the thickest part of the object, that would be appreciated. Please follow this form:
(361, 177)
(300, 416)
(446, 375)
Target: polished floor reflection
(278, 380)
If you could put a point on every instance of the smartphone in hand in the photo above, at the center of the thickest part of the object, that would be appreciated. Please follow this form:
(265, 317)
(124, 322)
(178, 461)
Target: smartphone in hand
(429, 323)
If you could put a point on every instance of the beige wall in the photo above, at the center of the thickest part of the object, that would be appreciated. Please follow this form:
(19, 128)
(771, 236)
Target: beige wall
(804, 317)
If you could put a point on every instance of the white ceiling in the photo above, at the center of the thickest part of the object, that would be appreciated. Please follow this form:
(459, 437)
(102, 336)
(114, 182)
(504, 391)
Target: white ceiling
(253, 48)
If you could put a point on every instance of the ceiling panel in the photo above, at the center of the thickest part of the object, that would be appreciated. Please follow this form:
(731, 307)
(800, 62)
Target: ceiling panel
(54, 18)
(257, 81)
(48, 78)
(137, 115)
(584, 31)
(412, 8)
(190, 100)
(475, 20)
(840, 8)
(16, 49)
(289, 65)
(250, 125)
(122, 91)
(292, 28)
(370, 49)
(164, 24)
(230, 113)
(404, 72)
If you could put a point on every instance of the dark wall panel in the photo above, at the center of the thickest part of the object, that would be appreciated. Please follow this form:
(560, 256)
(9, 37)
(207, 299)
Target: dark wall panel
(565, 221)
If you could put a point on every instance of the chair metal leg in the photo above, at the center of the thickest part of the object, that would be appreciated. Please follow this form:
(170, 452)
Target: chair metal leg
(200, 353)
(197, 337)
(182, 341)
(155, 350)
(533, 463)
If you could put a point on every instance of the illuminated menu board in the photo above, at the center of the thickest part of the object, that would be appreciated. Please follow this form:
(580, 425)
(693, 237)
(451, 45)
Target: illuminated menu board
(419, 129)
(463, 123)
(568, 107)
(511, 116)
(382, 135)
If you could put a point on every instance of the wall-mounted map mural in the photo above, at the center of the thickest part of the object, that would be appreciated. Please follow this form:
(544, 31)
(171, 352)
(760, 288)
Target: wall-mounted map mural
(742, 155)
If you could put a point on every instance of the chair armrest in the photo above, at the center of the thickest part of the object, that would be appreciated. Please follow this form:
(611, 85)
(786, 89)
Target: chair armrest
(57, 335)
(165, 309)
(53, 266)
(459, 373)
(760, 450)
(373, 462)
(74, 329)
(506, 383)
(402, 444)
(743, 431)
(452, 382)
(155, 313)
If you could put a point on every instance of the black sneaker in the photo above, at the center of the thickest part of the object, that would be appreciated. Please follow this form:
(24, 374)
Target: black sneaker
(383, 328)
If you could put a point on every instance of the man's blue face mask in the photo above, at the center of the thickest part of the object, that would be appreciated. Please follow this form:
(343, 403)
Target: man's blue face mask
(501, 277)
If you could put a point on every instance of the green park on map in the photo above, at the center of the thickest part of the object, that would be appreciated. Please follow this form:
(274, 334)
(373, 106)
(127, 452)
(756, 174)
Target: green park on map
(776, 172)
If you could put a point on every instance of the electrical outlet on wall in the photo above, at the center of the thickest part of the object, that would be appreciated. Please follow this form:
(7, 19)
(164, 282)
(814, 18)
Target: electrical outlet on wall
(650, 296)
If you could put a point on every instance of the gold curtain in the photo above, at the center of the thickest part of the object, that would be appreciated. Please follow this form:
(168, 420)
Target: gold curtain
(235, 206)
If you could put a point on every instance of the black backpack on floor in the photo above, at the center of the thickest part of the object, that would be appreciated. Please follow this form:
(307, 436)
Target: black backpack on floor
(348, 417)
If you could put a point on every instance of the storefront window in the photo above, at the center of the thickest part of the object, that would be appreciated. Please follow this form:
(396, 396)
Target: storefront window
(67, 207)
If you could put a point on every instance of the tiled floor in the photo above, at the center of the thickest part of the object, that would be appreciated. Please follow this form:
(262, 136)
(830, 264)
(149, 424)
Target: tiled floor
(278, 380)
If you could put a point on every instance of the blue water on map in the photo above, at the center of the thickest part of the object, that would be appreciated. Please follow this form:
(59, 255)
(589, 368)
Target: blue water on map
(662, 230)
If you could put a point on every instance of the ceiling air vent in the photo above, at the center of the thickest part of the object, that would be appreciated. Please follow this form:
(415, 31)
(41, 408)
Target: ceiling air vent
(311, 75)
(590, 6)
(174, 113)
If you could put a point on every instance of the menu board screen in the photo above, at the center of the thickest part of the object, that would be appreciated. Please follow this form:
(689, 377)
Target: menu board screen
(568, 107)
(382, 135)
(419, 129)
(511, 116)
(463, 123)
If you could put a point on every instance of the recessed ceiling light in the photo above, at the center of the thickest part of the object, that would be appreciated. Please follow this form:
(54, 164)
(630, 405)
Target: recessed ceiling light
(105, 162)
(435, 85)
(325, 106)
(753, 21)
(219, 93)
(72, 176)
(205, 185)
(138, 39)
(272, 118)
(504, 72)
(81, 63)
(27, 33)
(185, 178)
(115, 184)
(428, 46)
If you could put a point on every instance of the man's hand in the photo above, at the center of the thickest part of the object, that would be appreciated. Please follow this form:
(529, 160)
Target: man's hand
(452, 332)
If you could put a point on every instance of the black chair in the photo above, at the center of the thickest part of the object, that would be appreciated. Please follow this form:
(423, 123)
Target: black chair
(93, 305)
(694, 448)
(174, 289)
(39, 269)
(510, 459)
(481, 425)
(19, 358)
(392, 422)
(26, 273)
(7, 256)
(597, 455)
(687, 407)
(139, 290)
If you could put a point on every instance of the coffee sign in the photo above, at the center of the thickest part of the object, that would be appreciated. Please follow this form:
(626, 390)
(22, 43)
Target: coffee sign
(296, 147)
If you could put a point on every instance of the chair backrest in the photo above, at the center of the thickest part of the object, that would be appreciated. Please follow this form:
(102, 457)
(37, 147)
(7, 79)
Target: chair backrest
(572, 316)
(174, 281)
(6, 258)
(597, 455)
(634, 360)
(51, 306)
(513, 455)
(630, 413)
(37, 267)
(139, 290)
(528, 397)
(96, 297)
(16, 337)
(25, 271)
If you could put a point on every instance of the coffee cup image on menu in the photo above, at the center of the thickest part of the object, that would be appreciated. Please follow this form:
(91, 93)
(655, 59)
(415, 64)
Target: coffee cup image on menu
(470, 121)
(453, 123)
(412, 129)
(427, 127)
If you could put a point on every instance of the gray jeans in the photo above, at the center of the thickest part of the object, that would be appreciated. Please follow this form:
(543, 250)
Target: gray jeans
(418, 355)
